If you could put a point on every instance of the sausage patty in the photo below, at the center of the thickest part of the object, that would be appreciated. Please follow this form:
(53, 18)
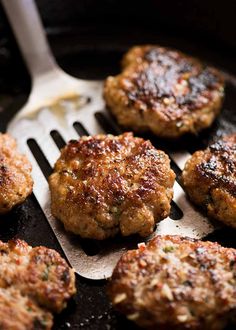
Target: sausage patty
(209, 178)
(164, 91)
(176, 283)
(34, 282)
(107, 184)
(15, 175)
(20, 312)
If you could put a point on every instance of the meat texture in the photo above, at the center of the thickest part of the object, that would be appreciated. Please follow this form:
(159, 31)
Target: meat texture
(176, 283)
(164, 91)
(106, 184)
(209, 178)
(34, 283)
(15, 175)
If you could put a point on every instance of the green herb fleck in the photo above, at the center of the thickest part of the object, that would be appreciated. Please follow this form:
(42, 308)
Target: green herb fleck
(168, 249)
(45, 274)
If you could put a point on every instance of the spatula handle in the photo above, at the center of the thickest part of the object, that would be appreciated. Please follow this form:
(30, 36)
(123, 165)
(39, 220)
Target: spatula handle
(28, 30)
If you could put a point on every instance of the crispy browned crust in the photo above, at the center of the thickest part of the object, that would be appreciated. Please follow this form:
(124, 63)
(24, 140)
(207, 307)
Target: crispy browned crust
(164, 91)
(34, 282)
(105, 184)
(176, 283)
(15, 175)
(209, 178)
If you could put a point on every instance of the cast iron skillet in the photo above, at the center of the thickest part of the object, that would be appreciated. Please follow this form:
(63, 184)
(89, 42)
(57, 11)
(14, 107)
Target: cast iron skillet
(90, 308)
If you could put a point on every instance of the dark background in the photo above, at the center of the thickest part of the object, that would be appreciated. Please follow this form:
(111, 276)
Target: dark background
(88, 39)
(80, 27)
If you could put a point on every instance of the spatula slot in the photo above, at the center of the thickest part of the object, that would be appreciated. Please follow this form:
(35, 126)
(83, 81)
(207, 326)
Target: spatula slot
(177, 171)
(175, 212)
(107, 123)
(90, 247)
(58, 139)
(40, 158)
(80, 129)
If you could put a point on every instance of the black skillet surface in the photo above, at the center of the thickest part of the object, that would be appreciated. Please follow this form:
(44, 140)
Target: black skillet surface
(90, 309)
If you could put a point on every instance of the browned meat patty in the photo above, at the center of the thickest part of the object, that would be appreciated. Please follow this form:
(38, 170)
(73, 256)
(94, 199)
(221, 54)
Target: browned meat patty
(34, 282)
(209, 178)
(19, 312)
(176, 283)
(15, 175)
(107, 184)
(164, 91)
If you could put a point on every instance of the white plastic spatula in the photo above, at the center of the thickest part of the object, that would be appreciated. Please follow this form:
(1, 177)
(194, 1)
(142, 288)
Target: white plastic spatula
(60, 103)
